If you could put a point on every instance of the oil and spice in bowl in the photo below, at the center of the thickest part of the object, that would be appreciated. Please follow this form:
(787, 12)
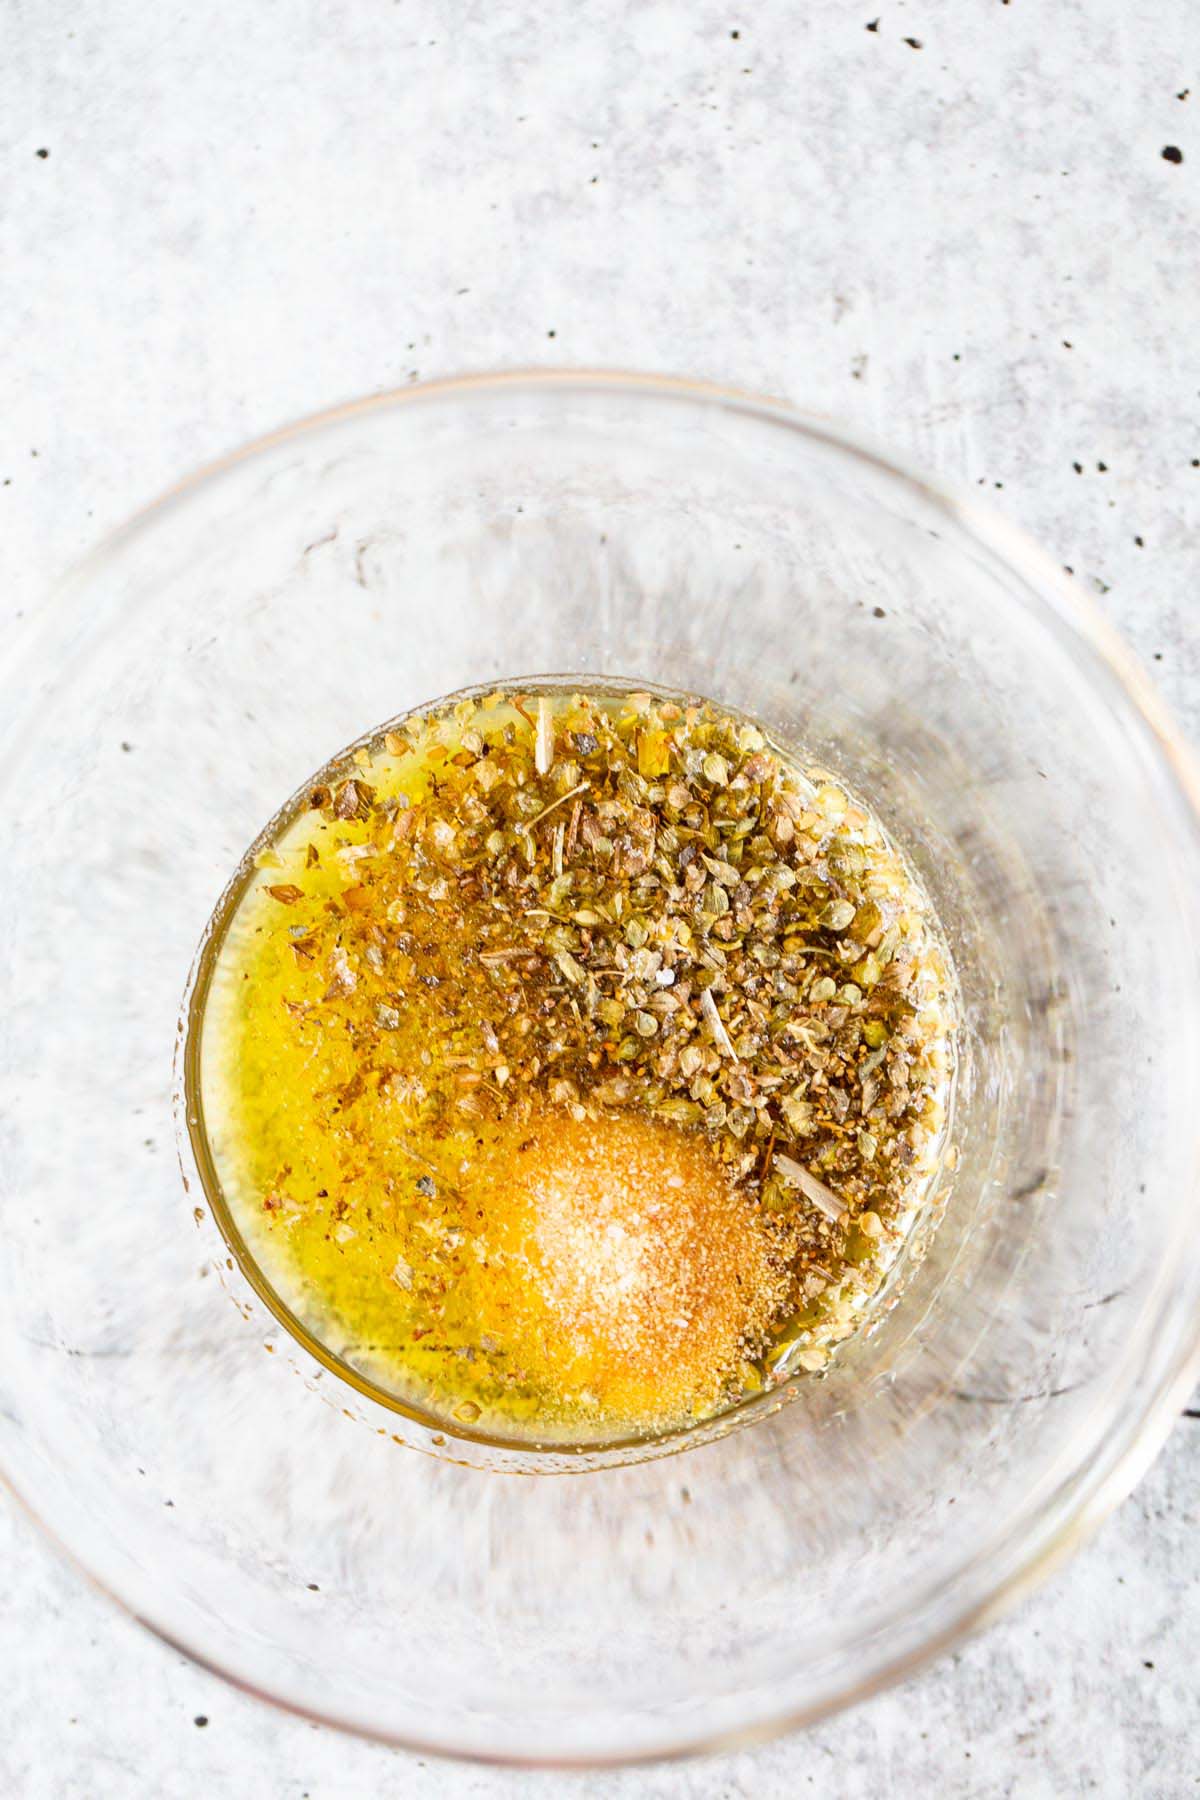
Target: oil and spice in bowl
(573, 1065)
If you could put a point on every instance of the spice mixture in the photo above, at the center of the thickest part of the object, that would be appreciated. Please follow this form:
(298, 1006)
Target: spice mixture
(574, 1065)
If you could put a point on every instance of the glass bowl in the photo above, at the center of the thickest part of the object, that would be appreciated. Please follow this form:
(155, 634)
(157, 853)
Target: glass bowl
(222, 1481)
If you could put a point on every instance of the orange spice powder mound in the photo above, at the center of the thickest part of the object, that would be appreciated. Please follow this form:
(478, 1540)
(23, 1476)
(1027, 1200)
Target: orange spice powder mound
(633, 1276)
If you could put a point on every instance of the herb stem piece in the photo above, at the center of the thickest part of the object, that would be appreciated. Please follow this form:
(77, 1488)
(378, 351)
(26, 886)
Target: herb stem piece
(721, 1037)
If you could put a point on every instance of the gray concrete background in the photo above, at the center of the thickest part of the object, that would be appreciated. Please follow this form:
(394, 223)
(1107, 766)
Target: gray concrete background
(216, 218)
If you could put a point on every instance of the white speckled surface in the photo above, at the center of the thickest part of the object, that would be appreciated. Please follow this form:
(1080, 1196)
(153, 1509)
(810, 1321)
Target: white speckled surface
(975, 249)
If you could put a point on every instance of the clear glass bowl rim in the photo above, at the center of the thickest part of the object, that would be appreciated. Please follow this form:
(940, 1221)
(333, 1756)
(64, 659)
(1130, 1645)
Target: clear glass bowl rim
(1121, 1457)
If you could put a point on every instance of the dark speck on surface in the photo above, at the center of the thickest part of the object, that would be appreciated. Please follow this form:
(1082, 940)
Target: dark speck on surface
(201, 1719)
(1172, 153)
(42, 153)
(1078, 468)
(313, 1588)
(914, 43)
(735, 34)
(1147, 1665)
(1140, 542)
(126, 746)
(1183, 93)
(878, 612)
(1103, 468)
(873, 25)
